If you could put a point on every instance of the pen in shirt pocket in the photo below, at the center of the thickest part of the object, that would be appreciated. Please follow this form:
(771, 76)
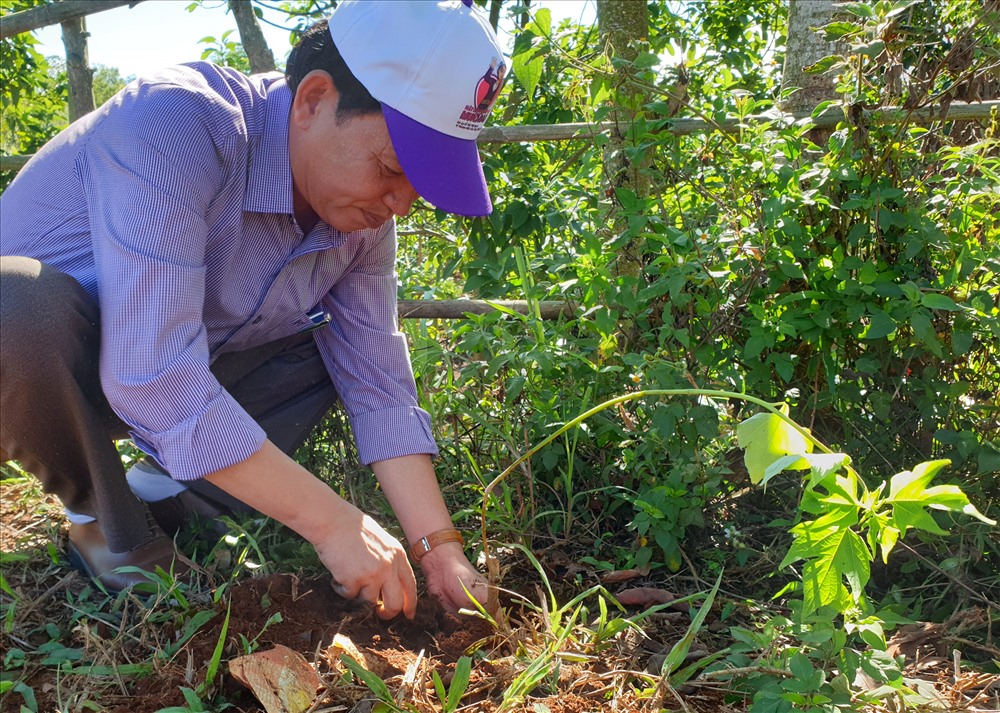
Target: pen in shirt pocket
(318, 317)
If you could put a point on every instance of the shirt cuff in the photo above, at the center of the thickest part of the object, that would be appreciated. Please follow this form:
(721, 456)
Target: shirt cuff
(391, 433)
(222, 435)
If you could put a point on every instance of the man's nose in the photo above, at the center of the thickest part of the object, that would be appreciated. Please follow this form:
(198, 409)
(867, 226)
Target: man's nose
(400, 197)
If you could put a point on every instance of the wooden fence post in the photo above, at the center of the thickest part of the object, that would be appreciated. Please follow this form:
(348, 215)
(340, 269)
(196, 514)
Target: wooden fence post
(260, 55)
(81, 76)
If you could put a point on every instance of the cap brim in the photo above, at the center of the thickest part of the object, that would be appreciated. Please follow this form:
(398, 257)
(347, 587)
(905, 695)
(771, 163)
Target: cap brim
(444, 170)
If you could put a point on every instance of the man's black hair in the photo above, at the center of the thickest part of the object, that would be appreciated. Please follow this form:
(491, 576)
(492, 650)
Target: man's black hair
(316, 50)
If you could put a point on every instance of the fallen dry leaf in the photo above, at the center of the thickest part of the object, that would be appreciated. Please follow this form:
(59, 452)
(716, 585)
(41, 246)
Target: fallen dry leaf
(916, 641)
(343, 645)
(622, 575)
(644, 597)
(281, 679)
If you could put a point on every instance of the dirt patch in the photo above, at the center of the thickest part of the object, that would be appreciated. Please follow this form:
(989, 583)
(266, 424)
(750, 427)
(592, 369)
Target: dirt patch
(306, 616)
(137, 655)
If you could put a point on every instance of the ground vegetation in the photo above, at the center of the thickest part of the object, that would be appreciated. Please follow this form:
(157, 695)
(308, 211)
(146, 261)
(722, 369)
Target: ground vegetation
(755, 470)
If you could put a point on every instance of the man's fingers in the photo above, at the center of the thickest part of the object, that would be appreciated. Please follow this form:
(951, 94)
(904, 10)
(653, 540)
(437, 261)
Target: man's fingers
(370, 594)
(393, 600)
(343, 590)
(399, 594)
(389, 586)
(409, 593)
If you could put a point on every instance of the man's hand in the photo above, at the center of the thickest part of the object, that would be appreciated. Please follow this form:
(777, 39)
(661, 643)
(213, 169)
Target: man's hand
(411, 486)
(451, 579)
(368, 563)
(364, 559)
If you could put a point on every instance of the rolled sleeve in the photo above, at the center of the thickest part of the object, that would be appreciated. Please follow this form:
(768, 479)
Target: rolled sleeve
(391, 433)
(190, 449)
(148, 203)
(368, 358)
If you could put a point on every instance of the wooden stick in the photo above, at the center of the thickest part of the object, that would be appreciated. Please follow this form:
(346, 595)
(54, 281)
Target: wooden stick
(54, 14)
(564, 132)
(457, 309)
(827, 119)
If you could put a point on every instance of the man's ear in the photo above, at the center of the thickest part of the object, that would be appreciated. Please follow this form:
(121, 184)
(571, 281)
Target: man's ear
(316, 93)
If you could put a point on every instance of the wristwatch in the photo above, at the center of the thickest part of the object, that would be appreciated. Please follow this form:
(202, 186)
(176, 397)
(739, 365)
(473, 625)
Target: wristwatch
(428, 542)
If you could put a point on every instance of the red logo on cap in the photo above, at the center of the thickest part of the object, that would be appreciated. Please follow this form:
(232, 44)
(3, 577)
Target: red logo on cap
(487, 88)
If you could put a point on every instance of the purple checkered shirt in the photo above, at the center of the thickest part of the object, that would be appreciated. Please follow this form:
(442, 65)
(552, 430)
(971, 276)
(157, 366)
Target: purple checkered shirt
(172, 206)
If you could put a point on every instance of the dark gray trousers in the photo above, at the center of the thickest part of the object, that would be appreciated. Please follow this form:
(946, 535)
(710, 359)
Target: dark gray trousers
(56, 422)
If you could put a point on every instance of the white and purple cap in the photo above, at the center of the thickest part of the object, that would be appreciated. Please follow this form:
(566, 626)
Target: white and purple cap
(436, 67)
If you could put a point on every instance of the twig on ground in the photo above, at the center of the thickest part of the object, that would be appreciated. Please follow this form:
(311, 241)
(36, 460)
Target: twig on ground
(745, 670)
(992, 650)
(952, 578)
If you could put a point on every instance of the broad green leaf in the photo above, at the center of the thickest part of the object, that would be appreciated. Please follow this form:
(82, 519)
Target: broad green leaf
(909, 495)
(880, 666)
(908, 514)
(880, 325)
(824, 465)
(961, 341)
(900, 7)
(833, 510)
(871, 632)
(801, 667)
(910, 482)
(935, 300)
(792, 462)
(858, 9)
(887, 538)
(923, 330)
(988, 460)
(645, 61)
(822, 585)
(808, 543)
(839, 489)
(824, 105)
(600, 90)
(543, 22)
(951, 498)
(836, 30)
(28, 694)
(825, 65)
(842, 555)
(527, 62)
(767, 438)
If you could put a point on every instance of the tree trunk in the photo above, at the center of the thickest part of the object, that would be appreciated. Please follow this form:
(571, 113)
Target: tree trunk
(623, 27)
(260, 55)
(495, 13)
(806, 47)
(81, 76)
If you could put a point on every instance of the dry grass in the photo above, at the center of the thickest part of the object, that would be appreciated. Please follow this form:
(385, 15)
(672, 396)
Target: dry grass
(71, 647)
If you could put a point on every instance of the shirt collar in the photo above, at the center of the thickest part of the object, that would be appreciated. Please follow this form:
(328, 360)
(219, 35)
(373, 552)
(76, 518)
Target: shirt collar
(269, 183)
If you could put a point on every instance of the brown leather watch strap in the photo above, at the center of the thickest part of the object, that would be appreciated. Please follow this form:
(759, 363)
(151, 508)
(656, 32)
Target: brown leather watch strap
(428, 542)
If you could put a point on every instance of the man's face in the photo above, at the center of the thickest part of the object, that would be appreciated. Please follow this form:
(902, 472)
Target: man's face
(346, 173)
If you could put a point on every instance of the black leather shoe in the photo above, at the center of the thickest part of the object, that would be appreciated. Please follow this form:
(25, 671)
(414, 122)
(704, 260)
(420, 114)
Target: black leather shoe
(190, 505)
(89, 553)
(172, 513)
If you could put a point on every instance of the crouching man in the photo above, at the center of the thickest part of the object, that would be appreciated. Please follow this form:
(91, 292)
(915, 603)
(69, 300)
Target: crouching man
(206, 264)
